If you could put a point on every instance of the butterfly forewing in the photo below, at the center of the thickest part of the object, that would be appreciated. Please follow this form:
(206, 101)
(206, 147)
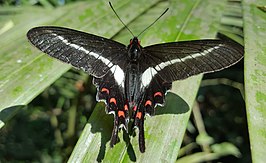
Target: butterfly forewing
(180, 60)
(93, 54)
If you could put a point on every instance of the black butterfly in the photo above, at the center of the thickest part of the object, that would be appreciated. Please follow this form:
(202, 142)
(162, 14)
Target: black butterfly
(132, 80)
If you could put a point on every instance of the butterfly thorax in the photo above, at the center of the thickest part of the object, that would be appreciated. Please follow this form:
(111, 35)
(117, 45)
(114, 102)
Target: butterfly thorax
(134, 49)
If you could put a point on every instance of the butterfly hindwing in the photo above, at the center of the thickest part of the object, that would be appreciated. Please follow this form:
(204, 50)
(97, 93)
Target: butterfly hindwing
(152, 96)
(113, 96)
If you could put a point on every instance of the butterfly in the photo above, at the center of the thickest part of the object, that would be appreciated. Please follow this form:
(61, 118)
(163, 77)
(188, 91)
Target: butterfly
(132, 80)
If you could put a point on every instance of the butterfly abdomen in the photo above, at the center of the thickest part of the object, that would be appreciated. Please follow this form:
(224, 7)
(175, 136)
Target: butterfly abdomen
(132, 83)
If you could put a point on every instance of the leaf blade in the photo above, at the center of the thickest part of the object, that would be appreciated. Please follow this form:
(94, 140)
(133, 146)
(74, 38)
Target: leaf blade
(156, 136)
(255, 76)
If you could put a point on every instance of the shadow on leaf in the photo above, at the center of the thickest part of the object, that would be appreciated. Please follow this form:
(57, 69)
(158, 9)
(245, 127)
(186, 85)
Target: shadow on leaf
(7, 113)
(103, 123)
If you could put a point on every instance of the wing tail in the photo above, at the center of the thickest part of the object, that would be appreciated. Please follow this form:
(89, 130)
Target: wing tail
(139, 123)
(153, 95)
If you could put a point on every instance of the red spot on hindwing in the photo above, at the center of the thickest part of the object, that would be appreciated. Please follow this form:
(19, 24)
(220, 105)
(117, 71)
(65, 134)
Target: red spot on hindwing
(139, 114)
(148, 102)
(125, 107)
(121, 114)
(134, 108)
(105, 90)
(112, 100)
(158, 94)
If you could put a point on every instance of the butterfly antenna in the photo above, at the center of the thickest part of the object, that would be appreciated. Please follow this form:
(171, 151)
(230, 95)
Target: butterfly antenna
(120, 19)
(154, 22)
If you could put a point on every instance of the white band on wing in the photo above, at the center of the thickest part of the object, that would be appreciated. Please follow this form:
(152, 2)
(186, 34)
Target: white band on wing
(151, 71)
(115, 69)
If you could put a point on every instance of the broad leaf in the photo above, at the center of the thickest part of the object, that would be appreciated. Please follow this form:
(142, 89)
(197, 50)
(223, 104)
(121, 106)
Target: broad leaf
(255, 76)
(24, 74)
(164, 132)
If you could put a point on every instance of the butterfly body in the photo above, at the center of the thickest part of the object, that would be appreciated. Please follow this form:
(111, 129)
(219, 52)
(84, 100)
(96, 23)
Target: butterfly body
(132, 80)
(132, 83)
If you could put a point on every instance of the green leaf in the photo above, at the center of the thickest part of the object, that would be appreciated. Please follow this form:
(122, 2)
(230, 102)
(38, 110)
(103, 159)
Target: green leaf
(164, 132)
(232, 22)
(24, 74)
(255, 76)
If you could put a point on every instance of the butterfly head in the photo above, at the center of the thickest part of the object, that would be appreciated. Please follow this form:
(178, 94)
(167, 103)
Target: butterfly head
(134, 49)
